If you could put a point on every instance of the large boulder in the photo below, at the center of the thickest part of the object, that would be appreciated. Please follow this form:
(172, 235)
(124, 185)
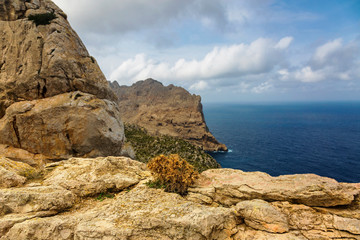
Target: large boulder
(166, 110)
(65, 125)
(39, 63)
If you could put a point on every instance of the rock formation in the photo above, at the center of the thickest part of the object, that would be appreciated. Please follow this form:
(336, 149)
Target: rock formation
(68, 203)
(167, 110)
(51, 89)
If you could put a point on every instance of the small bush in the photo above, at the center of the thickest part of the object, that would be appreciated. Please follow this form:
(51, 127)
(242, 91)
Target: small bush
(173, 172)
(42, 19)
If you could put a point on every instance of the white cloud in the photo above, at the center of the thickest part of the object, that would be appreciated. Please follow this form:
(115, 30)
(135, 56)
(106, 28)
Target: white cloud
(325, 51)
(284, 43)
(199, 86)
(263, 87)
(260, 56)
(306, 74)
(332, 61)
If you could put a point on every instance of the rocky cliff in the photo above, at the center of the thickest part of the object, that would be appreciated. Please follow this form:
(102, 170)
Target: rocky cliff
(54, 100)
(167, 110)
(106, 198)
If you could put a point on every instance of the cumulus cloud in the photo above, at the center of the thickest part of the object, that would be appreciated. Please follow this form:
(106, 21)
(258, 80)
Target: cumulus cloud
(226, 62)
(333, 60)
(199, 86)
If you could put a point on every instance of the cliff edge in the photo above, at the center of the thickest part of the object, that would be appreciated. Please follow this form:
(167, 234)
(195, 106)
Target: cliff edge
(166, 110)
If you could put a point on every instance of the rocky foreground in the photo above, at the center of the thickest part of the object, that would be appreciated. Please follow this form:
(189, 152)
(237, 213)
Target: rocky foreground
(106, 198)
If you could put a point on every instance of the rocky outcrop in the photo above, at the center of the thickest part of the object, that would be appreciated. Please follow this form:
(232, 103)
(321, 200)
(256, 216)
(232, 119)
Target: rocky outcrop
(229, 186)
(167, 110)
(65, 125)
(39, 63)
(66, 204)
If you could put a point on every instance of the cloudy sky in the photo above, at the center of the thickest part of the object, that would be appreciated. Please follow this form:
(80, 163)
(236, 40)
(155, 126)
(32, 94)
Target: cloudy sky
(227, 50)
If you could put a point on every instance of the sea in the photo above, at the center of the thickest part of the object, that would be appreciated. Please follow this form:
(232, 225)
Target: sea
(289, 138)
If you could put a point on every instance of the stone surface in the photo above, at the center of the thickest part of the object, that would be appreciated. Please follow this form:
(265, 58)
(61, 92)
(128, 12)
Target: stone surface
(65, 125)
(45, 60)
(35, 199)
(66, 205)
(14, 174)
(261, 215)
(86, 177)
(10, 179)
(38, 65)
(167, 110)
(228, 187)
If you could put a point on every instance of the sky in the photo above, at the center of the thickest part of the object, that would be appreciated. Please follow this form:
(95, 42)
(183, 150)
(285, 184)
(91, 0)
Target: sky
(227, 50)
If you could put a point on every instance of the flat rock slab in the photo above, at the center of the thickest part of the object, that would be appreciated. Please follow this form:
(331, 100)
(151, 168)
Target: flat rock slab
(141, 213)
(91, 176)
(261, 215)
(35, 199)
(228, 187)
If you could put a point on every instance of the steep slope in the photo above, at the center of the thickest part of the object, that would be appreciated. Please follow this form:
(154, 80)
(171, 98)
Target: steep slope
(167, 110)
(51, 89)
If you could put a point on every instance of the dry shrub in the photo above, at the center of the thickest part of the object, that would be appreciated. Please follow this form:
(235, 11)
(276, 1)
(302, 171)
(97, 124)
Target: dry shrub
(175, 173)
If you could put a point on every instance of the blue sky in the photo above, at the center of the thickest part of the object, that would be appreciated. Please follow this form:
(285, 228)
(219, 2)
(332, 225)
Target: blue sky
(227, 50)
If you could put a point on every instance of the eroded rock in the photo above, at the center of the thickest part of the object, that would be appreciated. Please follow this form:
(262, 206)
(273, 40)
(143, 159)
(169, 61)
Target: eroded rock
(39, 63)
(35, 199)
(88, 177)
(167, 110)
(228, 187)
(69, 124)
(261, 215)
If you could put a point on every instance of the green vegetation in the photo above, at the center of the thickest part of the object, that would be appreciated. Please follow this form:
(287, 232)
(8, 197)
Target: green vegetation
(155, 184)
(147, 147)
(32, 174)
(172, 172)
(101, 197)
(42, 19)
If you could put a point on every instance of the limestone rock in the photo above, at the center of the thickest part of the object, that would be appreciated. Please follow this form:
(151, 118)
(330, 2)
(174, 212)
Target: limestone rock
(10, 179)
(231, 186)
(141, 213)
(246, 233)
(88, 177)
(13, 174)
(167, 110)
(317, 223)
(54, 100)
(45, 60)
(69, 124)
(65, 205)
(35, 199)
(261, 215)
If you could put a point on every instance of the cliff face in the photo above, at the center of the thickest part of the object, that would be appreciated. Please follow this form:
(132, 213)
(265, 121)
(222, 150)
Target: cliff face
(52, 92)
(106, 198)
(167, 111)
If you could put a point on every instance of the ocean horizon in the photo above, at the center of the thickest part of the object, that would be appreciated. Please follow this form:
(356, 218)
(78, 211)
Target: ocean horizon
(289, 138)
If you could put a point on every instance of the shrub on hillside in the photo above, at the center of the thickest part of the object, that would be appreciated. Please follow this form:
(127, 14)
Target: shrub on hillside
(173, 172)
(42, 18)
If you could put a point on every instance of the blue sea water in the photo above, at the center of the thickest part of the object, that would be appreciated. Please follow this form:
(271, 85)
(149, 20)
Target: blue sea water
(320, 138)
